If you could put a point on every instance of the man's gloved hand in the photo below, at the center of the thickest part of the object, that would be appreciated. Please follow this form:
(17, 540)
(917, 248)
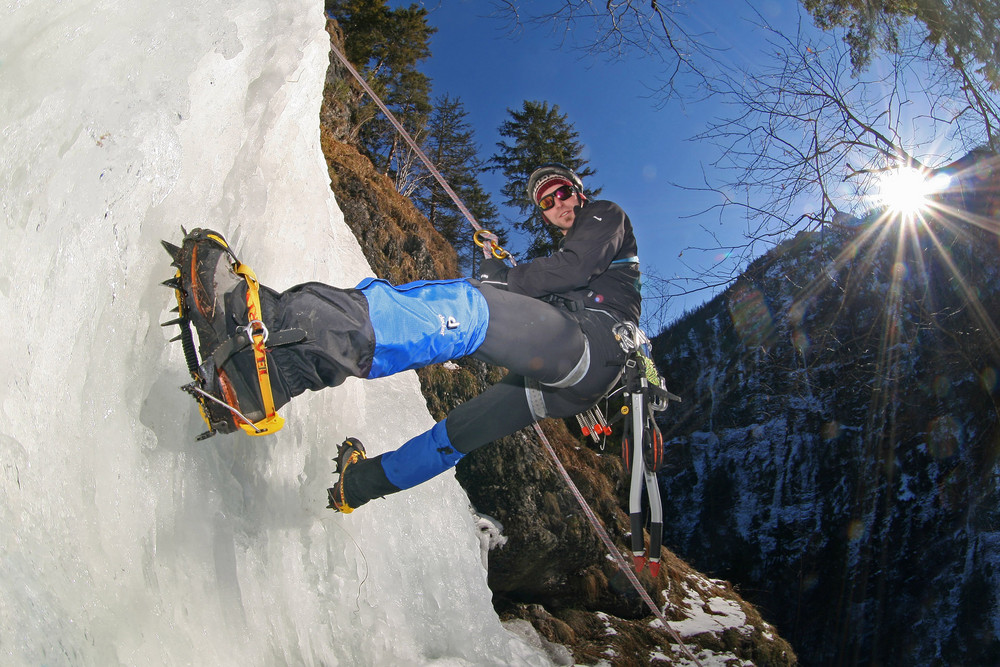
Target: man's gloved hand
(493, 271)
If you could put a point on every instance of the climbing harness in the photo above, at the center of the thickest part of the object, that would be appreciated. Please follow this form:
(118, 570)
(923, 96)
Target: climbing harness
(488, 242)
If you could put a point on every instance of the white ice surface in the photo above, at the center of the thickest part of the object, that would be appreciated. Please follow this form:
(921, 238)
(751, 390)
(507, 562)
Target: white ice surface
(122, 540)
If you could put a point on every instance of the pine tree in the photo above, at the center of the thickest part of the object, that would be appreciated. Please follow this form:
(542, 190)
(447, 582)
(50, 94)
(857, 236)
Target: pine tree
(450, 145)
(538, 134)
(386, 45)
(968, 30)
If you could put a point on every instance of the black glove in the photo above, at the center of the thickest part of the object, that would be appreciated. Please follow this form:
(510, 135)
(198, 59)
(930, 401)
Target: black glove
(493, 271)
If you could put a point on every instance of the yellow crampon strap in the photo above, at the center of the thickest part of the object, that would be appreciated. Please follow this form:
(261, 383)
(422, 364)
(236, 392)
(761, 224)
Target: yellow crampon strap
(272, 422)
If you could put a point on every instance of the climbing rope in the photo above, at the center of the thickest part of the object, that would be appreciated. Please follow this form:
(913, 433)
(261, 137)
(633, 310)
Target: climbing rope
(487, 238)
(488, 242)
(609, 544)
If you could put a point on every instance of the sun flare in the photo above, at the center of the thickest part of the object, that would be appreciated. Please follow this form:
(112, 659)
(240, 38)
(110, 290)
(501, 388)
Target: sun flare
(904, 191)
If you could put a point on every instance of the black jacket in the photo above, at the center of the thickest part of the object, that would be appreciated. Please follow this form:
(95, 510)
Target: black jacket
(597, 264)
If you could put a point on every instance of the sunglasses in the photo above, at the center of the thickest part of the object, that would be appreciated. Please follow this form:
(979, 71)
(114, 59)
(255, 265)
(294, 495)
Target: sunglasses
(562, 194)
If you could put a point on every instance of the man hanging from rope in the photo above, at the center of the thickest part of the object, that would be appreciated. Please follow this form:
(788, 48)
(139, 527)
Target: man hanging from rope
(548, 321)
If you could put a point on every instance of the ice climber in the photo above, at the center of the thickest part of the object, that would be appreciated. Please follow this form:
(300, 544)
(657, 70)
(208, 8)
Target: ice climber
(549, 322)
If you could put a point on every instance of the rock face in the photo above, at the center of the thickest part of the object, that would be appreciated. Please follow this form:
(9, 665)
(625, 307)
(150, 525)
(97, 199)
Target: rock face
(553, 571)
(836, 451)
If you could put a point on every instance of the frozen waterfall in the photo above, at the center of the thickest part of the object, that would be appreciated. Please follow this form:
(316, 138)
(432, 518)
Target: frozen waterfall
(125, 541)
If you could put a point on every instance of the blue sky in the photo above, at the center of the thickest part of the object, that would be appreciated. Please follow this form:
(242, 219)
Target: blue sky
(640, 148)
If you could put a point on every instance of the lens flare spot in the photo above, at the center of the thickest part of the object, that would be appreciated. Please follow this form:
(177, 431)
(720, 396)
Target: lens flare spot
(750, 316)
(989, 378)
(722, 256)
(796, 318)
(800, 340)
(943, 437)
(941, 386)
(855, 530)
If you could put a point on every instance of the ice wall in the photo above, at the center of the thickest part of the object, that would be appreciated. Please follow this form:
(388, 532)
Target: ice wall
(122, 540)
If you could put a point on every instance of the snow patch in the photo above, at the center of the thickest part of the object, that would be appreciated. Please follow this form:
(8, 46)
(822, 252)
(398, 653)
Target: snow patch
(712, 614)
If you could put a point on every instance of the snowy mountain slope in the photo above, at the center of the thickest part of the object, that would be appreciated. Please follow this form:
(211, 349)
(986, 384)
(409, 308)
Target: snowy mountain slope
(836, 454)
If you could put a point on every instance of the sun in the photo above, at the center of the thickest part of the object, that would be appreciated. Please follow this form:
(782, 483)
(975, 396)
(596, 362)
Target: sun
(904, 191)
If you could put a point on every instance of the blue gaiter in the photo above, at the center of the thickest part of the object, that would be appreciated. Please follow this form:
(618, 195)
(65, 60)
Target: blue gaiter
(421, 458)
(424, 322)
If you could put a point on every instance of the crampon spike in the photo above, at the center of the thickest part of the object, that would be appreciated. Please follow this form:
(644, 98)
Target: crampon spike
(179, 320)
(172, 250)
(172, 283)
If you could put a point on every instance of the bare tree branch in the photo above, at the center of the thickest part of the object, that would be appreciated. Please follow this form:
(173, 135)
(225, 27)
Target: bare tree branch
(809, 140)
(811, 133)
(620, 29)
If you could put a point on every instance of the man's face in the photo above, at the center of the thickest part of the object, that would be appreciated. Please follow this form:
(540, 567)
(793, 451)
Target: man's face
(562, 213)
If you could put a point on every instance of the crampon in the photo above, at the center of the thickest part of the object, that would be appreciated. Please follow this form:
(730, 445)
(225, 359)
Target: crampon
(348, 453)
(232, 381)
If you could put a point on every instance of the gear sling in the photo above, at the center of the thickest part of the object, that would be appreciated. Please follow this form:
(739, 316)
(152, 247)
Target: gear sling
(644, 394)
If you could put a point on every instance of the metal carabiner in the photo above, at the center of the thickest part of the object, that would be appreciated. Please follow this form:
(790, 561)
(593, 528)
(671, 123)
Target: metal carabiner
(492, 239)
(626, 333)
(251, 331)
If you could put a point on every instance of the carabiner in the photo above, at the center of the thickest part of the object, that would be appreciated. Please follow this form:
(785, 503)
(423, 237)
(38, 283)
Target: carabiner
(492, 239)
(251, 330)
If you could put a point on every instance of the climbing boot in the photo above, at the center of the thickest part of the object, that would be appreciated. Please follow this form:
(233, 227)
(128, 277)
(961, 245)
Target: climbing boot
(349, 452)
(236, 383)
